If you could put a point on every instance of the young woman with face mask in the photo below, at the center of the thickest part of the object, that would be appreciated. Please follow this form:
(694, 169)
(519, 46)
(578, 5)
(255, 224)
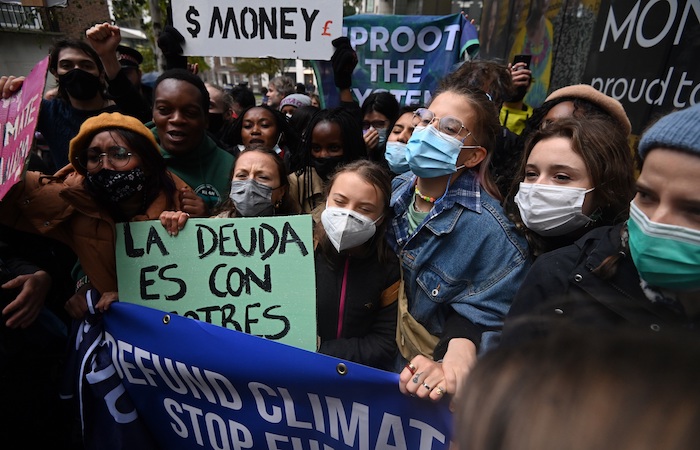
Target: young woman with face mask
(116, 175)
(397, 140)
(357, 275)
(332, 138)
(460, 255)
(259, 188)
(576, 175)
(641, 273)
(379, 112)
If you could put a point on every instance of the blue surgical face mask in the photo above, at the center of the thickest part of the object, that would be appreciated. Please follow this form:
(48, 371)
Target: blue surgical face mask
(666, 256)
(433, 154)
(395, 156)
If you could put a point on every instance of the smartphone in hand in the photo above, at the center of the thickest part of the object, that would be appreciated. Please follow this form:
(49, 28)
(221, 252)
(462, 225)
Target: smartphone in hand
(522, 59)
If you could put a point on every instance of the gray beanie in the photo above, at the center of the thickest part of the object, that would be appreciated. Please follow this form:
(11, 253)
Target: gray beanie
(678, 130)
(296, 100)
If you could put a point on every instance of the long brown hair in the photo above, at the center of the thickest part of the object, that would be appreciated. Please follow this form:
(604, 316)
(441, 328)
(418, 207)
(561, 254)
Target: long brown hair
(609, 162)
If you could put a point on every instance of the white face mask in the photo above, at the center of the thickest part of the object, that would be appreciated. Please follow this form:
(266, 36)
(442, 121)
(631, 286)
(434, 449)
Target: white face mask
(346, 228)
(551, 210)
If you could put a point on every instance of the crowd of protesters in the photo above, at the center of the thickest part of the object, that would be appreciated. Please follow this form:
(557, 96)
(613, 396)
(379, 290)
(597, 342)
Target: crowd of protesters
(474, 226)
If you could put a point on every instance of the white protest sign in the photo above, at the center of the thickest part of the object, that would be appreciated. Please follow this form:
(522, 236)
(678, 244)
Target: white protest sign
(299, 29)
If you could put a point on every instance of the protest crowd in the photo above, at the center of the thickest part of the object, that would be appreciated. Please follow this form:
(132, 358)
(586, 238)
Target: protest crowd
(524, 266)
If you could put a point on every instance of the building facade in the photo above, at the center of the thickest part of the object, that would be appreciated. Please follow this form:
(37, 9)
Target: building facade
(30, 29)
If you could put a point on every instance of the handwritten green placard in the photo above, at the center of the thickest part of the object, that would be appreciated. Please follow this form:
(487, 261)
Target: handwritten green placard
(254, 275)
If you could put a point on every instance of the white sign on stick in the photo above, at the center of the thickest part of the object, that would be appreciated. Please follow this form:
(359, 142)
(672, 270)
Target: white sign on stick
(298, 29)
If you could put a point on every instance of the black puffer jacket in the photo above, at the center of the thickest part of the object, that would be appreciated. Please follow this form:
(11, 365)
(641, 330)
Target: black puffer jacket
(368, 316)
(561, 289)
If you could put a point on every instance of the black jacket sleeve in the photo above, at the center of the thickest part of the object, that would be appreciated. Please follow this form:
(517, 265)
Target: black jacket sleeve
(458, 326)
(128, 98)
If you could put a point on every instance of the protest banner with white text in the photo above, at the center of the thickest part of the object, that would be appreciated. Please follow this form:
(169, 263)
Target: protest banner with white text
(181, 383)
(18, 119)
(657, 43)
(404, 55)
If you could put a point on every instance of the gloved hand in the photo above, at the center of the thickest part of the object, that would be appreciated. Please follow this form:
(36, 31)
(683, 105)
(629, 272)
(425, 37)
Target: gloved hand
(344, 61)
(170, 43)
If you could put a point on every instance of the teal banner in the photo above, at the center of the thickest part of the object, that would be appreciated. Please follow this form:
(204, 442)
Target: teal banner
(404, 55)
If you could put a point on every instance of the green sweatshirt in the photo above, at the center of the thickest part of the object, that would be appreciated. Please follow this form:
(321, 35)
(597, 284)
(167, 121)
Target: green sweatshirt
(207, 169)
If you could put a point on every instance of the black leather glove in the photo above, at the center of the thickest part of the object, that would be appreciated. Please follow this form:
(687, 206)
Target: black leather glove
(170, 43)
(344, 61)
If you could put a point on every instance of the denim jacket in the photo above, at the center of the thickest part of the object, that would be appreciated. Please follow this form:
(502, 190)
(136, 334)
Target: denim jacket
(465, 255)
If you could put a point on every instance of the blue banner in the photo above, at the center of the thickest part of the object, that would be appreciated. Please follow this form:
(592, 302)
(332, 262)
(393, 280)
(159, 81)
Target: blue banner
(151, 379)
(405, 55)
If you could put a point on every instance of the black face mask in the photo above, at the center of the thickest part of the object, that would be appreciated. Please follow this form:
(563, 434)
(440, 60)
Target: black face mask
(216, 121)
(325, 166)
(115, 186)
(79, 84)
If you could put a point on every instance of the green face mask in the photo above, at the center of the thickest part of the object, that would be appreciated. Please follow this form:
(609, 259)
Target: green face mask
(666, 256)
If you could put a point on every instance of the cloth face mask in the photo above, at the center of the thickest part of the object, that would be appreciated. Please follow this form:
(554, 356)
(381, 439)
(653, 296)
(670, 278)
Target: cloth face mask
(551, 210)
(80, 84)
(325, 166)
(116, 185)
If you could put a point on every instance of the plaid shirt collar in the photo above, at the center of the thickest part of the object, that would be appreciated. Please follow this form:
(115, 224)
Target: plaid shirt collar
(465, 191)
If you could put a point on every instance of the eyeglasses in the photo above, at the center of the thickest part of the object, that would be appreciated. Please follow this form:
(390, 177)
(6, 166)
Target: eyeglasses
(118, 157)
(376, 124)
(449, 125)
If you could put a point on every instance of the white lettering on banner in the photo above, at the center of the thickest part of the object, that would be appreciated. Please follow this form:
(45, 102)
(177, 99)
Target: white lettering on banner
(272, 440)
(345, 423)
(652, 92)
(412, 69)
(413, 96)
(23, 119)
(216, 388)
(221, 434)
(403, 39)
(356, 427)
(12, 165)
(634, 22)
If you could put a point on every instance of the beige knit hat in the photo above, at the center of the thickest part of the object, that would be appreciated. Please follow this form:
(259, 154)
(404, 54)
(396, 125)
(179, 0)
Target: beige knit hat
(94, 125)
(608, 104)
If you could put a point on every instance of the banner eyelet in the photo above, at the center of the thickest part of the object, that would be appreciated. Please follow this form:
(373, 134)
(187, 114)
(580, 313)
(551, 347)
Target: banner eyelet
(342, 369)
